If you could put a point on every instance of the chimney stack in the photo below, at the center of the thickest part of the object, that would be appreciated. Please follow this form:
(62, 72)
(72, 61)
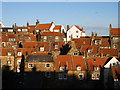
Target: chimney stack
(37, 22)
(92, 38)
(68, 27)
(27, 24)
(110, 27)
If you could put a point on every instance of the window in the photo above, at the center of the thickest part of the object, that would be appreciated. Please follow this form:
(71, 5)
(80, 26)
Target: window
(9, 53)
(19, 30)
(9, 62)
(65, 76)
(97, 42)
(37, 30)
(24, 30)
(63, 68)
(75, 53)
(76, 31)
(47, 65)
(10, 30)
(11, 39)
(62, 76)
(56, 37)
(95, 76)
(26, 53)
(77, 36)
(81, 76)
(94, 60)
(89, 50)
(78, 68)
(19, 53)
(96, 68)
(41, 49)
(28, 38)
(56, 46)
(47, 74)
(45, 37)
(18, 62)
(30, 65)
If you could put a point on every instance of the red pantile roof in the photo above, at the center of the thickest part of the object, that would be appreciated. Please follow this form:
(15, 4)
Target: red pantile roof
(5, 51)
(96, 62)
(63, 60)
(115, 31)
(44, 26)
(52, 34)
(57, 27)
(111, 52)
(78, 61)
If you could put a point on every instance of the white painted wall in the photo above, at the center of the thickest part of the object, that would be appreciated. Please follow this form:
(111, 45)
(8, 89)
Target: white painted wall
(72, 31)
(113, 60)
(62, 28)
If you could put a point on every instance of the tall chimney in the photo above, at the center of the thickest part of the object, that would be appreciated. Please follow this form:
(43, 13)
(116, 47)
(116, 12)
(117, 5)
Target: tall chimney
(68, 27)
(110, 27)
(27, 24)
(37, 22)
(92, 38)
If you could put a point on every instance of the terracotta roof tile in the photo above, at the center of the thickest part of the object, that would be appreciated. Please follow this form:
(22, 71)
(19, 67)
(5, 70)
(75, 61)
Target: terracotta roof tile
(115, 31)
(57, 27)
(43, 26)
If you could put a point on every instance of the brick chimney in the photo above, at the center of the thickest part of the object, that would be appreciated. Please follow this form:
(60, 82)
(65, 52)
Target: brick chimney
(110, 27)
(68, 27)
(27, 24)
(92, 38)
(37, 22)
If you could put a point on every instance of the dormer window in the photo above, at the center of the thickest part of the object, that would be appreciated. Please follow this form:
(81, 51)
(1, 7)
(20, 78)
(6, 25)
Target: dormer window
(89, 50)
(41, 49)
(96, 68)
(75, 53)
(97, 42)
(9, 53)
(63, 68)
(19, 53)
(78, 68)
(56, 46)
(45, 37)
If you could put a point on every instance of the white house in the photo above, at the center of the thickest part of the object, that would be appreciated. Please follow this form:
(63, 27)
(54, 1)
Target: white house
(112, 62)
(75, 32)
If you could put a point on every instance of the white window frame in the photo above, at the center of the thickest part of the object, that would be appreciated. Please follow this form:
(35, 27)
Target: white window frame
(45, 37)
(79, 68)
(24, 30)
(19, 30)
(96, 68)
(62, 68)
(10, 30)
(41, 49)
(29, 65)
(19, 54)
(90, 50)
(37, 30)
(9, 62)
(47, 66)
(56, 46)
(18, 62)
(57, 37)
(9, 53)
